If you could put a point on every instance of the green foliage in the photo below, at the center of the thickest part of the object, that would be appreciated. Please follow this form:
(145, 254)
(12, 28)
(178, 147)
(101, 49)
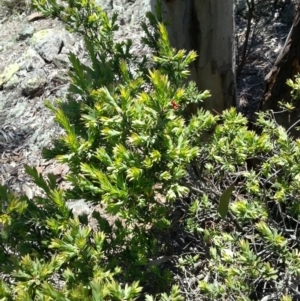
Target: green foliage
(128, 147)
(224, 201)
(127, 142)
(133, 151)
(48, 254)
(255, 248)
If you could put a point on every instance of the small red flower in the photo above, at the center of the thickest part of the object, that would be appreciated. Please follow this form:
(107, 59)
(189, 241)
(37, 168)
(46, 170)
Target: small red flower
(174, 105)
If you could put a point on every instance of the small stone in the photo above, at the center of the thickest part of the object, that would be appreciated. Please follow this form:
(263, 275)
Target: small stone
(47, 44)
(12, 83)
(8, 45)
(50, 42)
(59, 77)
(26, 32)
(61, 61)
(32, 60)
(8, 72)
(34, 83)
(105, 5)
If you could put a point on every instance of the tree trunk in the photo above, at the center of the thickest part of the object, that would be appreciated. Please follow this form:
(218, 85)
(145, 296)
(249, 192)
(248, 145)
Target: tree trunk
(286, 66)
(207, 26)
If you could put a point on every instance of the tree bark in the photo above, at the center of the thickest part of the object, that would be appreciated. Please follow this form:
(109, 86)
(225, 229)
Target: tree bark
(207, 26)
(286, 66)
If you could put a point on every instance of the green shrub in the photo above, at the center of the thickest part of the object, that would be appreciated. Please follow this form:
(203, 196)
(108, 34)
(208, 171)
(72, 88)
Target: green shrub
(48, 254)
(128, 147)
(127, 143)
(254, 252)
(132, 149)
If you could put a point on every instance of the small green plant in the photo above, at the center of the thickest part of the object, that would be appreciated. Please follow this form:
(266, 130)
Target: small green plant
(128, 146)
(127, 141)
(49, 254)
(253, 249)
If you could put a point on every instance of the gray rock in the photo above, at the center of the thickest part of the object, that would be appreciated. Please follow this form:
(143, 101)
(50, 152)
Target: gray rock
(13, 82)
(59, 77)
(61, 61)
(50, 42)
(47, 43)
(17, 111)
(9, 99)
(68, 41)
(7, 102)
(37, 136)
(31, 61)
(62, 92)
(2, 102)
(22, 73)
(26, 32)
(105, 5)
(33, 84)
(4, 45)
(8, 72)
(130, 12)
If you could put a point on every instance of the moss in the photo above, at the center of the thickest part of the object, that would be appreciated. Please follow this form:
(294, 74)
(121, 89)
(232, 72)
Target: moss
(8, 72)
(40, 35)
